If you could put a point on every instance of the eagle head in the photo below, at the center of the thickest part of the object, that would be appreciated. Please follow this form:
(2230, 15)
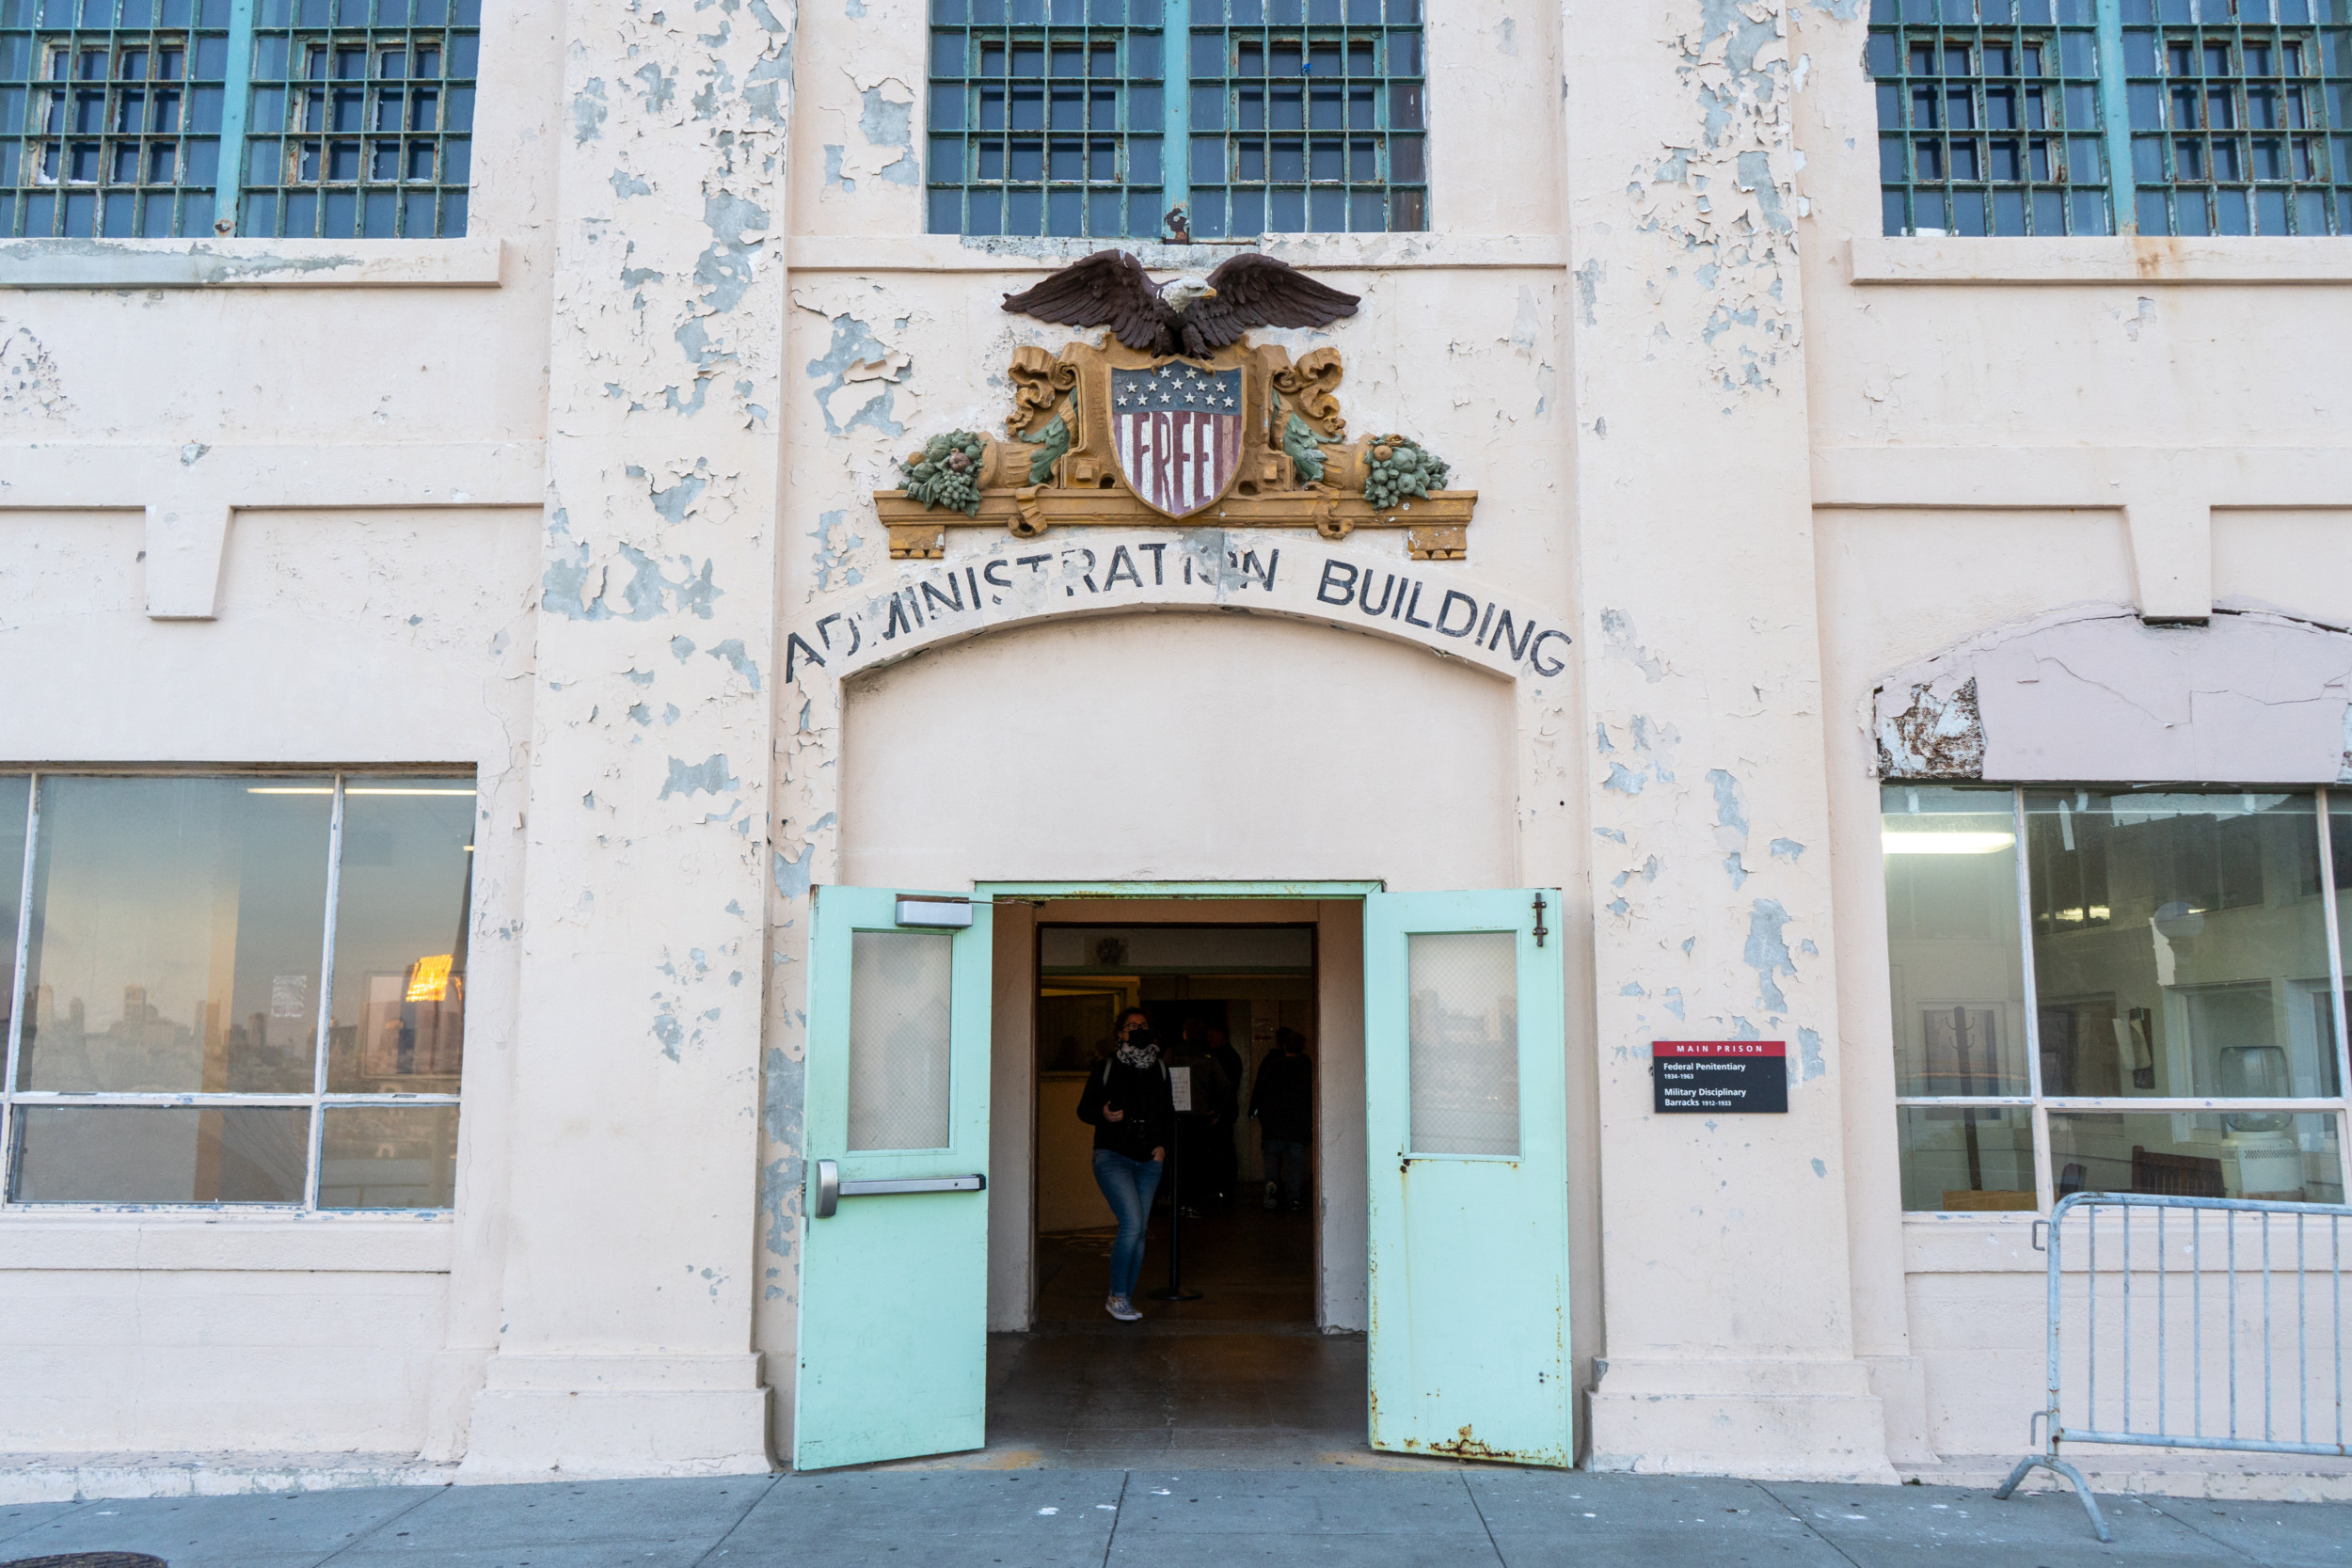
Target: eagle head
(1181, 291)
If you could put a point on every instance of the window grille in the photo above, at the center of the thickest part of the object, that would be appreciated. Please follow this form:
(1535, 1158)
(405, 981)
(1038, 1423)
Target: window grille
(350, 119)
(2095, 116)
(1093, 118)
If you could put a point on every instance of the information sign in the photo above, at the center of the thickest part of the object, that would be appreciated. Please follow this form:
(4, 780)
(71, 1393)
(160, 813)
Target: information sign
(1719, 1076)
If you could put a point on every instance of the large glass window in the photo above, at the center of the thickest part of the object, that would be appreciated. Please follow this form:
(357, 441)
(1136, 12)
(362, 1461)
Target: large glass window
(2094, 117)
(187, 945)
(2135, 983)
(1093, 118)
(342, 119)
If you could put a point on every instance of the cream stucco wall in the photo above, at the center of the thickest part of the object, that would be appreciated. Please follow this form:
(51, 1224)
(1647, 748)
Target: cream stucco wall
(552, 501)
(1178, 747)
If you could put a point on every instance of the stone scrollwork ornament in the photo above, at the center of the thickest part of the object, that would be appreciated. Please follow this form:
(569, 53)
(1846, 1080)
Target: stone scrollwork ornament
(1176, 416)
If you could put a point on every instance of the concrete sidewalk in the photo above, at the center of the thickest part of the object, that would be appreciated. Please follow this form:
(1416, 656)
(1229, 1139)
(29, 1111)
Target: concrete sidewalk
(1172, 1519)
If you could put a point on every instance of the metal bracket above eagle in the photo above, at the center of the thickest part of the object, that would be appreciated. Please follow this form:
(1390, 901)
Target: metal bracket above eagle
(1176, 415)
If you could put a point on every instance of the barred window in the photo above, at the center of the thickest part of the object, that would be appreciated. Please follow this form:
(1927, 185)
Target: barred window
(2117, 990)
(2097, 116)
(1094, 118)
(347, 118)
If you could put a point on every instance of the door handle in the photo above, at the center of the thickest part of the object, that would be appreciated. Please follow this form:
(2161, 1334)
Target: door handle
(826, 1189)
(884, 1187)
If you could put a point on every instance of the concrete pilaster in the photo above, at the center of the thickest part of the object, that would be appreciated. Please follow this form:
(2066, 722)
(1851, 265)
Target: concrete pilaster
(625, 1342)
(1727, 1317)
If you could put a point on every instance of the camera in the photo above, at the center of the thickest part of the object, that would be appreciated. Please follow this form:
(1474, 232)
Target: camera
(1143, 1037)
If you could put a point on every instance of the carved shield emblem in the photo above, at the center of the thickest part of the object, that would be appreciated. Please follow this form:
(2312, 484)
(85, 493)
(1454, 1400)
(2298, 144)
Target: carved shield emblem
(1176, 430)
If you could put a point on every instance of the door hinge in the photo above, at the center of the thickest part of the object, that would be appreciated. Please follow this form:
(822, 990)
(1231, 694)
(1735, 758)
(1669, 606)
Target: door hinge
(1540, 931)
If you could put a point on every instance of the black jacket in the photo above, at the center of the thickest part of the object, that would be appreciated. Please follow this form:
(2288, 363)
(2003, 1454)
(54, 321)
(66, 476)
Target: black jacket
(1284, 1096)
(1229, 1062)
(1142, 1094)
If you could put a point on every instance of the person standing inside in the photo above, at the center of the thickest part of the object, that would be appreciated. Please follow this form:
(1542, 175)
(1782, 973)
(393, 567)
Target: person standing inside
(1282, 1101)
(1126, 1101)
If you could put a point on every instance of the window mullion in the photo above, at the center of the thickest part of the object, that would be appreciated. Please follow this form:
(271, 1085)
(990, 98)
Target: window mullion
(2335, 969)
(2044, 1193)
(16, 1002)
(1176, 157)
(236, 95)
(2115, 117)
(327, 998)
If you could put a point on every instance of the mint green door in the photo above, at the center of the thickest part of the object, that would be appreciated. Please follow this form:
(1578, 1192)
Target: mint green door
(1465, 1113)
(893, 1259)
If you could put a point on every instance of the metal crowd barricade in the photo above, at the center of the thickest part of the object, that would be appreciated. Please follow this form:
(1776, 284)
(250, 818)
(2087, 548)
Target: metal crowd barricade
(2174, 1334)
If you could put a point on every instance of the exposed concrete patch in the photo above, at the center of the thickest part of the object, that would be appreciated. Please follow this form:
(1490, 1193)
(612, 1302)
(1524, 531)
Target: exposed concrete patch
(1939, 734)
(2095, 692)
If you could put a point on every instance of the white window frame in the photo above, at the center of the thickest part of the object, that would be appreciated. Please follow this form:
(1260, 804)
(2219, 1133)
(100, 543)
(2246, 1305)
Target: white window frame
(318, 1101)
(2041, 1104)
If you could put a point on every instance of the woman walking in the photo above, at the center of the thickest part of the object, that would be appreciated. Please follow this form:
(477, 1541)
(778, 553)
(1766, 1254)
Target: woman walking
(1126, 1100)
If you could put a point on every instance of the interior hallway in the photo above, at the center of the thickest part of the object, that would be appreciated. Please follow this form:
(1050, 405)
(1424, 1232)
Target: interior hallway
(1239, 1379)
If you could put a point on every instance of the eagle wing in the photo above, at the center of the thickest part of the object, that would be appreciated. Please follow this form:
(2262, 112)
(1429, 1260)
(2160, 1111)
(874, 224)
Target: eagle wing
(1259, 291)
(1106, 289)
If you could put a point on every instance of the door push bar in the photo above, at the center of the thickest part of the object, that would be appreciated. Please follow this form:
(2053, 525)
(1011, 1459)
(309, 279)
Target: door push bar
(829, 1189)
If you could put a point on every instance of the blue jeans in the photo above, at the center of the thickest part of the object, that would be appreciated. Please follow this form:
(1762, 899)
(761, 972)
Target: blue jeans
(1285, 1163)
(1129, 1185)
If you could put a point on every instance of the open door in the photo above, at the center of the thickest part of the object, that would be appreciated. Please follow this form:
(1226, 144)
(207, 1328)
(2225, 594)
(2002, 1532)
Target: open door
(1465, 1112)
(894, 1256)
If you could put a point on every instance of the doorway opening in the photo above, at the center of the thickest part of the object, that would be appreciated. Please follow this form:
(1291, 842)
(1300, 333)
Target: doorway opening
(1242, 1356)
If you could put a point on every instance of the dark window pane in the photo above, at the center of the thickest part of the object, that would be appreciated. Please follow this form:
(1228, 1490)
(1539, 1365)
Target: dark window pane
(177, 927)
(387, 1157)
(404, 887)
(175, 1154)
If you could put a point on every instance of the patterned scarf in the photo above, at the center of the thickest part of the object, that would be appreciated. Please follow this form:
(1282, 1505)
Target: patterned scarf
(1143, 1058)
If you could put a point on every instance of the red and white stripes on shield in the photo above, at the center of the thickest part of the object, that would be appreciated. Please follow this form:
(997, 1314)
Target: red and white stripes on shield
(1177, 460)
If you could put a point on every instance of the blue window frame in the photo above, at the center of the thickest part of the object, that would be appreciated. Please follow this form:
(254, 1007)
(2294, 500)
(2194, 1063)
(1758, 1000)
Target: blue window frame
(353, 119)
(1093, 118)
(2095, 116)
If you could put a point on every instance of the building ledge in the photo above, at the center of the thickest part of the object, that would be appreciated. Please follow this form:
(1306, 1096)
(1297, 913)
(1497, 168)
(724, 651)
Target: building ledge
(47, 1478)
(871, 253)
(1972, 1244)
(209, 1241)
(2126, 262)
(463, 263)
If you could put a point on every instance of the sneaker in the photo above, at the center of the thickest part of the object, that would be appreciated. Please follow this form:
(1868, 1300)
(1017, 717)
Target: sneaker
(1270, 1200)
(1124, 1310)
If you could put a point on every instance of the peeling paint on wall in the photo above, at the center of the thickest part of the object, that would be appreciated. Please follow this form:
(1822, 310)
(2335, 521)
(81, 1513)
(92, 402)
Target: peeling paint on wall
(1937, 735)
(30, 383)
(1616, 637)
(848, 392)
(1767, 953)
(1726, 198)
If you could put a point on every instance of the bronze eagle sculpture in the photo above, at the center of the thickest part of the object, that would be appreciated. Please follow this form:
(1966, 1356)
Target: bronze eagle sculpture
(1189, 315)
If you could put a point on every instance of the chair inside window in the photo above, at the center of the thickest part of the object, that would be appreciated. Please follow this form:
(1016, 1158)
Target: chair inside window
(2175, 1174)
